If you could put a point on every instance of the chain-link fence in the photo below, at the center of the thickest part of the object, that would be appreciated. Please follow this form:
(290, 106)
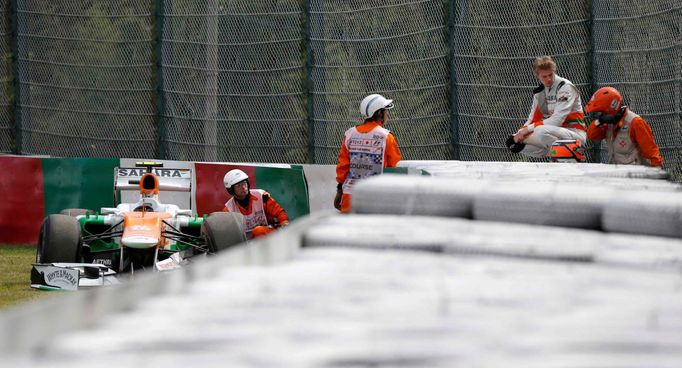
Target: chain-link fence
(638, 50)
(84, 78)
(281, 80)
(233, 81)
(493, 52)
(396, 48)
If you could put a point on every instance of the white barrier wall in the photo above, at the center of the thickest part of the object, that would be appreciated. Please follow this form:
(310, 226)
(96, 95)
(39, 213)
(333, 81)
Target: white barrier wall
(321, 186)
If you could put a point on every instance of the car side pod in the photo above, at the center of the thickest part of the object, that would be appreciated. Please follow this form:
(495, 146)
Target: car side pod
(71, 276)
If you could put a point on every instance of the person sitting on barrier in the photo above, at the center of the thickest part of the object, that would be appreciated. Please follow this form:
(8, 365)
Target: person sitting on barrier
(556, 114)
(262, 212)
(629, 139)
(366, 149)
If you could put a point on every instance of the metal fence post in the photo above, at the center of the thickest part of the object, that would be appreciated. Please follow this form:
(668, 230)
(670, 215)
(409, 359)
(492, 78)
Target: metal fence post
(591, 63)
(454, 122)
(309, 62)
(158, 72)
(16, 78)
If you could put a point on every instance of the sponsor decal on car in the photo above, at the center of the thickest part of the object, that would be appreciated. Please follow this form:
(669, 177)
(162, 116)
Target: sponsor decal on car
(63, 278)
(103, 261)
(161, 173)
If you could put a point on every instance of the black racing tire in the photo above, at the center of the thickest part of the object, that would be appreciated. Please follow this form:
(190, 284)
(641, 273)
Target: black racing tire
(223, 230)
(74, 212)
(59, 240)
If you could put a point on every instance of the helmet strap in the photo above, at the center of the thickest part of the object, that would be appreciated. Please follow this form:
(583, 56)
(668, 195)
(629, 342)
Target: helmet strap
(377, 116)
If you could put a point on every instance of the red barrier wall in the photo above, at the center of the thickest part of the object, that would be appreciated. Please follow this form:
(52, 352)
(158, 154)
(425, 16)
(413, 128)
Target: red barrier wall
(31, 188)
(211, 195)
(22, 206)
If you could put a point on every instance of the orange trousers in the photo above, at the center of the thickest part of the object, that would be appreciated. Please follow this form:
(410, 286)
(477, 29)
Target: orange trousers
(345, 203)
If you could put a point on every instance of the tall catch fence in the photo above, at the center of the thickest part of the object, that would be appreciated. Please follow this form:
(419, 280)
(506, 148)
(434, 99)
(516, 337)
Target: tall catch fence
(281, 80)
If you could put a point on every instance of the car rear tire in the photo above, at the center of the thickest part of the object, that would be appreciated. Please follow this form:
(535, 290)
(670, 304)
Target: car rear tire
(223, 230)
(59, 240)
(74, 212)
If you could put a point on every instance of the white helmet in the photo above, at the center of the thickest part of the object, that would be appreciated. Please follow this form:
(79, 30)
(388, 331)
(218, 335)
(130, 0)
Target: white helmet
(233, 177)
(372, 103)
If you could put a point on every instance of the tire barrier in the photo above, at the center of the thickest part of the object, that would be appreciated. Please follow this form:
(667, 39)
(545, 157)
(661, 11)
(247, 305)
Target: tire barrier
(485, 169)
(478, 238)
(415, 195)
(461, 285)
(650, 213)
(639, 251)
(355, 307)
(450, 235)
(450, 277)
(552, 204)
(587, 182)
(536, 201)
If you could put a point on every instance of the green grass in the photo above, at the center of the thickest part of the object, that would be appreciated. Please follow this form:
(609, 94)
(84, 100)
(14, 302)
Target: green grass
(15, 274)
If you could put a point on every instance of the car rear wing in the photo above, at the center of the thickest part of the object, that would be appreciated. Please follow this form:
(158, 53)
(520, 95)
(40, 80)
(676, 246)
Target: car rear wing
(170, 180)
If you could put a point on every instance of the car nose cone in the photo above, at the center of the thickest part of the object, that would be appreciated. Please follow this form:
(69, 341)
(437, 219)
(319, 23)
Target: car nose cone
(138, 241)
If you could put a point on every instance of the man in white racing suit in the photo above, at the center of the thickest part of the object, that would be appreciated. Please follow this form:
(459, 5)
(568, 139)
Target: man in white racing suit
(556, 113)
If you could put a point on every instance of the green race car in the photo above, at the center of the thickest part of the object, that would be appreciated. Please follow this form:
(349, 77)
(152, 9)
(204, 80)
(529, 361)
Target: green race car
(81, 248)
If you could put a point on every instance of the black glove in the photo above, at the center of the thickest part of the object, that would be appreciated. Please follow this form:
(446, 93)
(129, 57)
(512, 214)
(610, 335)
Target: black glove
(337, 200)
(339, 195)
(513, 146)
(610, 118)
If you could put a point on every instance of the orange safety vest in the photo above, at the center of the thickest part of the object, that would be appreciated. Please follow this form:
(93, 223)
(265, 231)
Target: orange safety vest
(256, 215)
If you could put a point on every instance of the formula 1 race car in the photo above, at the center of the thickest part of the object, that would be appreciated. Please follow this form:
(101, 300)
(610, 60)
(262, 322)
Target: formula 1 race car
(82, 248)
